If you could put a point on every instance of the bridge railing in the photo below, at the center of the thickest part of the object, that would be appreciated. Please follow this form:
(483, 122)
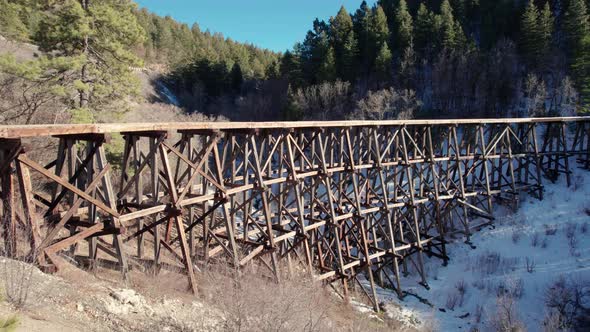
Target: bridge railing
(345, 201)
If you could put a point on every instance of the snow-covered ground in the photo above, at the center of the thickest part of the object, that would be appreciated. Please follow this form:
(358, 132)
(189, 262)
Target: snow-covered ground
(538, 232)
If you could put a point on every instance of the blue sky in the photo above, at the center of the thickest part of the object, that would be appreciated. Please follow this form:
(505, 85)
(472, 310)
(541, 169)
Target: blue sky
(273, 24)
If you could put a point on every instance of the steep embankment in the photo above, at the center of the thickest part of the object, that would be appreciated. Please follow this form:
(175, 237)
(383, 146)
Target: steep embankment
(153, 90)
(514, 264)
(77, 301)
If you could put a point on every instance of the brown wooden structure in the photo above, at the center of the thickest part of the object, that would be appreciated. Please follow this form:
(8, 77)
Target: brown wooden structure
(346, 201)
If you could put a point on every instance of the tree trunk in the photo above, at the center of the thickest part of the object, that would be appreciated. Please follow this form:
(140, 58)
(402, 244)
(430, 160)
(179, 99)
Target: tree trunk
(84, 97)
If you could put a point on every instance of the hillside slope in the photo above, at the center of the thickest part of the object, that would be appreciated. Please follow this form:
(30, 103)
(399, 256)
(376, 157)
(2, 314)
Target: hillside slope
(552, 235)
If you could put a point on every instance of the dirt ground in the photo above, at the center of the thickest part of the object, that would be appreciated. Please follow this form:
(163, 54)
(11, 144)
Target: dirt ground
(75, 300)
(78, 300)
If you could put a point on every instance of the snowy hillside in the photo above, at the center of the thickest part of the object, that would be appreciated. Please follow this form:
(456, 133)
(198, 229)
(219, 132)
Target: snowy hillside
(519, 258)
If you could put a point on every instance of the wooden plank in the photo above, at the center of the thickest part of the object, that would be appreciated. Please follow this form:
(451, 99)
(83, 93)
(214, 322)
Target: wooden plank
(26, 193)
(24, 159)
(186, 257)
(52, 233)
(52, 249)
(20, 131)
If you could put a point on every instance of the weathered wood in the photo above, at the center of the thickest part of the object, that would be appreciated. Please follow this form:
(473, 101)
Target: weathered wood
(178, 221)
(21, 131)
(344, 198)
(25, 160)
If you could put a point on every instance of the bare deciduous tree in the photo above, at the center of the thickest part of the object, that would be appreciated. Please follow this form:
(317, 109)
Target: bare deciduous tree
(534, 96)
(506, 318)
(569, 300)
(387, 104)
(324, 101)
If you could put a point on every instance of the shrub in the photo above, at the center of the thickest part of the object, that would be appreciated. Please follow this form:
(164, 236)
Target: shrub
(478, 314)
(506, 318)
(572, 242)
(492, 262)
(513, 288)
(17, 278)
(552, 321)
(251, 302)
(516, 234)
(570, 230)
(452, 300)
(535, 239)
(461, 287)
(530, 265)
(569, 301)
(516, 288)
(324, 101)
(550, 229)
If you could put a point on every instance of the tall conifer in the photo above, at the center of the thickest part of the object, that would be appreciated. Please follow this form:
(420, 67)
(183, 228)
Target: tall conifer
(423, 28)
(404, 26)
(530, 34)
(100, 35)
(378, 30)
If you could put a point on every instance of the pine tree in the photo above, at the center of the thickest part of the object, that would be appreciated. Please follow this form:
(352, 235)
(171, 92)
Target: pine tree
(314, 50)
(323, 59)
(581, 69)
(290, 67)
(576, 24)
(407, 67)
(460, 10)
(577, 32)
(341, 33)
(327, 69)
(530, 40)
(424, 29)
(546, 22)
(378, 31)
(11, 25)
(448, 27)
(460, 37)
(389, 8)
(273, 70)
(403, 24)
(100, 35)
(383, 62)
(341, 27)
(236, 78)
(361, 31)
(536, 31)
(350, 59)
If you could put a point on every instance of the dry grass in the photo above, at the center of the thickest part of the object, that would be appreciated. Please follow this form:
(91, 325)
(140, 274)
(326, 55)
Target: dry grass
(17, 275)
(252, 303)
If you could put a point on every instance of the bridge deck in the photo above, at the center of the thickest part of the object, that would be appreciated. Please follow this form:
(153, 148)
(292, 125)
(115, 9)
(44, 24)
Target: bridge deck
(21, 131)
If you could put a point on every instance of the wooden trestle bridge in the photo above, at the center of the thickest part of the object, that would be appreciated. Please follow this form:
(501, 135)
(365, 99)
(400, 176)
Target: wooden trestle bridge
(348, 201)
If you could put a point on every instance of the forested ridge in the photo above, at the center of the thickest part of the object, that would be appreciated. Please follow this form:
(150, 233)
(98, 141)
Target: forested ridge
(395, 59)
(88, 50)
(451, 58)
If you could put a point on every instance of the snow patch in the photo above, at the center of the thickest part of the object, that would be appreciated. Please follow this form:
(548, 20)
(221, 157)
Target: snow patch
(520, 256)
(167, 93)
